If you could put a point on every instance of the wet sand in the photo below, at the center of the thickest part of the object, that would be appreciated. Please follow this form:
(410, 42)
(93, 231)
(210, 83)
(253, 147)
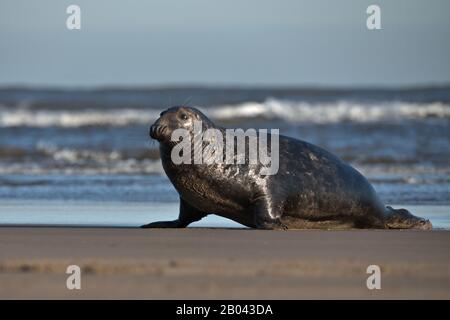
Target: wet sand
(203, 263)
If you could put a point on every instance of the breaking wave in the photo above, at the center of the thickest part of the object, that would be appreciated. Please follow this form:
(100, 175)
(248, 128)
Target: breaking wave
(333, 112)
(65, 118)
(70, 161)
(290, 111)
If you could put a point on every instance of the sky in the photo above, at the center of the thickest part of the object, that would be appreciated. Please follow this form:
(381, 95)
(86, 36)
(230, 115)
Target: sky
(229, 42)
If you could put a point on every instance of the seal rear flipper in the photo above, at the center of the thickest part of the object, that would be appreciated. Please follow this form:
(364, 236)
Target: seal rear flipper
(403, 219)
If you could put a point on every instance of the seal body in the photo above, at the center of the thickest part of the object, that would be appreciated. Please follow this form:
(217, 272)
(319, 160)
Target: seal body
(313, 189)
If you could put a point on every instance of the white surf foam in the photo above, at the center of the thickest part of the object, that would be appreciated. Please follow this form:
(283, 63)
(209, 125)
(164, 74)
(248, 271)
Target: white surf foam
(70, 161)
(291, 111)
(332, 112)
(57, 118)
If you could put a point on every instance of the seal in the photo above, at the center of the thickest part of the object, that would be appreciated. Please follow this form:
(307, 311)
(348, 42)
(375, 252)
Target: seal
(313, 189)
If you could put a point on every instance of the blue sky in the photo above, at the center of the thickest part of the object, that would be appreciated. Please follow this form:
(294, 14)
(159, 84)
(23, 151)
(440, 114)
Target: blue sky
(245, 42)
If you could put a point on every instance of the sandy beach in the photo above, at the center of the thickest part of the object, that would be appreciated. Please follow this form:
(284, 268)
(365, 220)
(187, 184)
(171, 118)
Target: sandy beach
(204, 263)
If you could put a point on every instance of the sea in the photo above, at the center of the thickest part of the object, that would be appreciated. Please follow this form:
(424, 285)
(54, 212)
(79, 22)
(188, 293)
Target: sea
(83, 157)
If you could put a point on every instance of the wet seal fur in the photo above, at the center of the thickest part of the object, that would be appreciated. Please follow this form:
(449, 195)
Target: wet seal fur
(313, 188)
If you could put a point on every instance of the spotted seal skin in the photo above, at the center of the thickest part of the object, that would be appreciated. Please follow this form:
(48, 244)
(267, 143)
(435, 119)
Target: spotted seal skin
(313, 188)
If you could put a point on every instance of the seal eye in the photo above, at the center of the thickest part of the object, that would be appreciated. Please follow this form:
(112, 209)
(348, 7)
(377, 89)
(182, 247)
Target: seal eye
(183, 116)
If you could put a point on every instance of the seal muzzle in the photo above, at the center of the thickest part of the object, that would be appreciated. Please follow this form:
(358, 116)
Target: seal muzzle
(157, 131)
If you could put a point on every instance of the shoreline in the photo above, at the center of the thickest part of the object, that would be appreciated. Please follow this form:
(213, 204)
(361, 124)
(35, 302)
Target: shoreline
(23, 213)
(215, 263)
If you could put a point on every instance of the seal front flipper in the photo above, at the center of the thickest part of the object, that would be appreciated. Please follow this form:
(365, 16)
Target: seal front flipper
(162, 224)
(265, 217)
(273, 224)
(188, 214)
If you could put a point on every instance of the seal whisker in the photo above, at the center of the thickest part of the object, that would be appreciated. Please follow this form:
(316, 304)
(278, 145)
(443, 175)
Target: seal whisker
(187, 101)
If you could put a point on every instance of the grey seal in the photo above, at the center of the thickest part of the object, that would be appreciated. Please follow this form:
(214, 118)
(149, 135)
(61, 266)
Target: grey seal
(313, 189)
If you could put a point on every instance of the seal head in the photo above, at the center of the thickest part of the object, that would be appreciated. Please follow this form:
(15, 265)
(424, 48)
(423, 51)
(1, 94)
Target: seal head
(177, 118)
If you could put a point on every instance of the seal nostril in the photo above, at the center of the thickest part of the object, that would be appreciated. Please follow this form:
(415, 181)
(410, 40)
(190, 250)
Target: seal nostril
(153, 131)
(157, 131)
